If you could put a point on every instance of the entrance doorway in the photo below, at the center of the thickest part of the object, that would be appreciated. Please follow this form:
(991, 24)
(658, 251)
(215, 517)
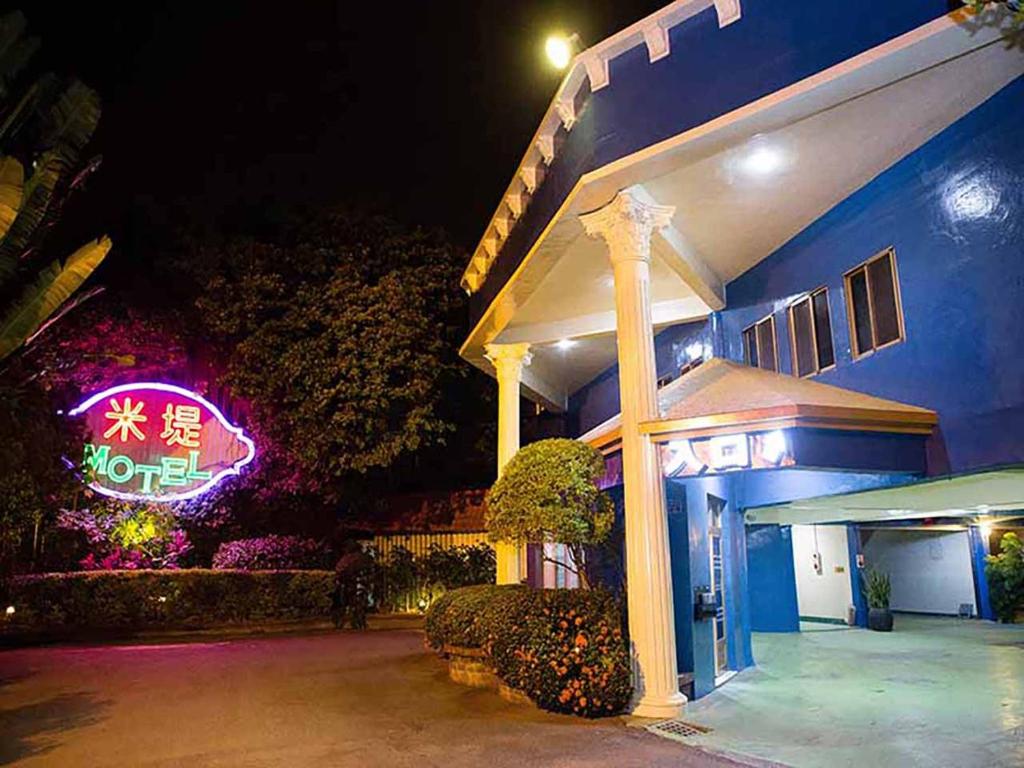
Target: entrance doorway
(715, 508)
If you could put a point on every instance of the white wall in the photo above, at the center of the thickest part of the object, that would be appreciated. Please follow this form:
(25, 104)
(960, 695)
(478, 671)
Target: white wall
(930, 571)
(826, 595)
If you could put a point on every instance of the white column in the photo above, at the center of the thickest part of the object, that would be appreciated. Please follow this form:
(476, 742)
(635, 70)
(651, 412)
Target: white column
(508, 361)
(626, 225)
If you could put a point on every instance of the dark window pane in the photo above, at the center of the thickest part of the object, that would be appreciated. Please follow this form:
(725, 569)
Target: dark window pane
(803, 342)
(766, 345)
(883, 300)
(823, 330)
(750, 346)
(861, 312)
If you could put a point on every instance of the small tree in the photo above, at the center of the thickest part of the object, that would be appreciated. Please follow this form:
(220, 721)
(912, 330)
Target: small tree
(548, 493)
(1005, 574)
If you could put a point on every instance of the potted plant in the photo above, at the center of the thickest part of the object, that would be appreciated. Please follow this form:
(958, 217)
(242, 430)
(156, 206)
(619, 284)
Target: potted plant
(877, 588)
(1005, 573)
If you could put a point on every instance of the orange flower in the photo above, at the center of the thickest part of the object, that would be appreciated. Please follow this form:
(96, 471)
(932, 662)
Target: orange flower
(581, 640)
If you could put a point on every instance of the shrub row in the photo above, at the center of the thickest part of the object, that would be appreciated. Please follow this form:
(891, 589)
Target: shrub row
(192, 599)
(563, 648)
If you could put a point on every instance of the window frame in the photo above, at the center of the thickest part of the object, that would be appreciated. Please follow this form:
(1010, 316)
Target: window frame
(809, 297)
(769, 318)
(851, 321)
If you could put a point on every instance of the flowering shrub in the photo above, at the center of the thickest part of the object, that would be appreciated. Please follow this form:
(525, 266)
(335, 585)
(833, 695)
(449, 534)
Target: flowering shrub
(564, 649)
(121, 535)
(146, 599)
(269, 552)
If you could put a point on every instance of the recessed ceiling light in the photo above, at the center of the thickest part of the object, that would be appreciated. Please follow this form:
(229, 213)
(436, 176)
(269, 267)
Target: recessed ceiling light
(565, 344)
(762, 161)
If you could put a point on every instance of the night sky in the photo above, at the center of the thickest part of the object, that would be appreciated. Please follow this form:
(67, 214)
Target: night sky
(221, 113)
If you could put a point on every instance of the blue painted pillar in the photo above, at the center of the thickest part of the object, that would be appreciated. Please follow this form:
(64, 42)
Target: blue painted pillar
(979, 550)
(860, 600)
(771, 579)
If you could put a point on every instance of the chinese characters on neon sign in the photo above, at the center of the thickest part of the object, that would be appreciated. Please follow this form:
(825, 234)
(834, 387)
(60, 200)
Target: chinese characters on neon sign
(159, 442)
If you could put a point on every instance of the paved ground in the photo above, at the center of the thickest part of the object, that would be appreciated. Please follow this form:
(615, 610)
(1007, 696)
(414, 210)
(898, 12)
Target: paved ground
(334, 699)
(935, 692)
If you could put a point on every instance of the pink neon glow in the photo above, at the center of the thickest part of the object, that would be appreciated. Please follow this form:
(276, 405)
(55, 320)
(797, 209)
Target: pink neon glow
(234, 469)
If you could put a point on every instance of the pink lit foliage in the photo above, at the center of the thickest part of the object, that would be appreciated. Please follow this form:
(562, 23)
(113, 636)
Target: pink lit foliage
(126, 536)
(106, 342)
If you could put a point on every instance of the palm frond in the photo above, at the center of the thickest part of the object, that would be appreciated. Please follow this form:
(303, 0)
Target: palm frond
(36, 198)
(52, 287)
(12, 187)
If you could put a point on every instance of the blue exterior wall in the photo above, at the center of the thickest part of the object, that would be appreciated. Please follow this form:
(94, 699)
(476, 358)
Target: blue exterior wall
(961, 280)
(598, 401)
(979, 551)
(691, 568)
(709, 72)
(770, 567)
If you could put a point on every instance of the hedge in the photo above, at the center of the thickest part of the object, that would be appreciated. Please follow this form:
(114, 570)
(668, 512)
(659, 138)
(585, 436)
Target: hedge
(563, 648)
(165, 599)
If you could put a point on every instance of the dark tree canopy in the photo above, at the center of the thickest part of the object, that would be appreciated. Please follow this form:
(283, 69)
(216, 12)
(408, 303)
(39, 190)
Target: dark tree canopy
(342, 333)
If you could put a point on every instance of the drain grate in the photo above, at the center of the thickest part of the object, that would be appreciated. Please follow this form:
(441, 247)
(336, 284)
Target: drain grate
(677, 730)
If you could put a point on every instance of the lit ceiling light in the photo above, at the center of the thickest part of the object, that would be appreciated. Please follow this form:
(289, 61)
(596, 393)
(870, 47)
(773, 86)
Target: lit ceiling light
(565, 344)
(762, 161)
(773, 446)
(559, 50)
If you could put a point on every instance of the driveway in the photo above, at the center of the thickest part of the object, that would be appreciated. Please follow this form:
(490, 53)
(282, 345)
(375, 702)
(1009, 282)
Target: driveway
(935, 692)
(332, 699)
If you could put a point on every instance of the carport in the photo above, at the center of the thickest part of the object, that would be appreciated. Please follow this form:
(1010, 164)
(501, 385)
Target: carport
(937, 691)
(931, 537)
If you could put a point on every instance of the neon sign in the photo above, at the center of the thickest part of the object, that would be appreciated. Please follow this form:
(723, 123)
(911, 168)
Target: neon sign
(159, 442)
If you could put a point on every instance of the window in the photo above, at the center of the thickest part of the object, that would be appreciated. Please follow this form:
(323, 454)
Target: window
(811, 334)
(873, 304)
(759, 345)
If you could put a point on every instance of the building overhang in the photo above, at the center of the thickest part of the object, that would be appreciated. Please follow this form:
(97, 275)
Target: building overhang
(773, 421)
(983, 497)
(831, 133)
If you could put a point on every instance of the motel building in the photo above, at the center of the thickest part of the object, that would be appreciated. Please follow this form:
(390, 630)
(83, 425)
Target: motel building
(768, 256)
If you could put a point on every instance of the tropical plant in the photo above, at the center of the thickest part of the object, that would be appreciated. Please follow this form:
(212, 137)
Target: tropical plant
(877, 588)
(548, 493)
(1005, 575)
(44, 127)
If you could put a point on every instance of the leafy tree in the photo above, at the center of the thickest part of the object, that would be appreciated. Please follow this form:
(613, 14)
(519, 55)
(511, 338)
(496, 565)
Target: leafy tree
(106, 342)
(44, 127)
(1005, 574)
(35, 482)
(341, 331)
(548, 493)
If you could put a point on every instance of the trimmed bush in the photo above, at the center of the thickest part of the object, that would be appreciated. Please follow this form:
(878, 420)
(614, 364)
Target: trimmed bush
(192, 599)
(563, 648)
(272, 553)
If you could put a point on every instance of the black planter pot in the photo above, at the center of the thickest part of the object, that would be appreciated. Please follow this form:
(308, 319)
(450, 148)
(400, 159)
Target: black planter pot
(880, 619)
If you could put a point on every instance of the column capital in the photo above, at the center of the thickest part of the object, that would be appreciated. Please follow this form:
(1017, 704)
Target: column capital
(626, 224)
(508, 356)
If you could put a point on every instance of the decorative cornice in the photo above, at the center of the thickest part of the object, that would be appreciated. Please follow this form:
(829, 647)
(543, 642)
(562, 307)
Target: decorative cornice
(626, 224)
(592, 65)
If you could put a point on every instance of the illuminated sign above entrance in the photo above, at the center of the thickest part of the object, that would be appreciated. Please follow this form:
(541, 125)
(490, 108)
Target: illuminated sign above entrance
(159, 442)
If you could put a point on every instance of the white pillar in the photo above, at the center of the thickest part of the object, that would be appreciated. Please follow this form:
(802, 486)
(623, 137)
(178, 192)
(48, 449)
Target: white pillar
(626, 225)
(508, 361)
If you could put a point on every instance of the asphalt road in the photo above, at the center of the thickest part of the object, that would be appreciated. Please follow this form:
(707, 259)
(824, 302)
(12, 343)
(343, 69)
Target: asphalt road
(330, 699)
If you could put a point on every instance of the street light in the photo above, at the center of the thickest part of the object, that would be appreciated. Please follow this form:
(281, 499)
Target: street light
(560, 49)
